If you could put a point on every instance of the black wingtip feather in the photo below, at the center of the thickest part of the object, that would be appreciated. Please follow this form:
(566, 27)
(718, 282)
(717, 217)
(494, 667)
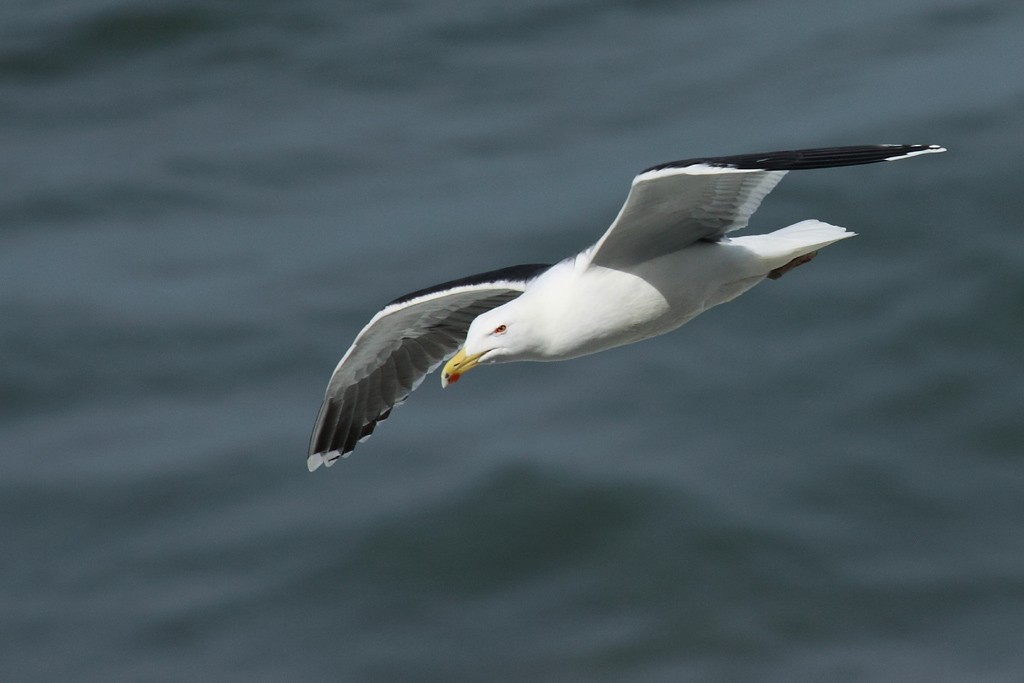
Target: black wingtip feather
(802, 159)
(320, 439)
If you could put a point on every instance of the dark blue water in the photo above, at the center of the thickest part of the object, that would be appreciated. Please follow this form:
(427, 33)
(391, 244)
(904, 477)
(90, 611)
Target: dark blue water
(202, 202)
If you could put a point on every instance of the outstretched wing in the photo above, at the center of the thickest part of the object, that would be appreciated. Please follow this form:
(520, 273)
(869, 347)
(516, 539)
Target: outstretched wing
(673, 205)
(400, 346)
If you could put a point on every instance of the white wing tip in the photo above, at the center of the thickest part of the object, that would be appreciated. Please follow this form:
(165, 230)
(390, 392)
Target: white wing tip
(327, 459)
(931, 149)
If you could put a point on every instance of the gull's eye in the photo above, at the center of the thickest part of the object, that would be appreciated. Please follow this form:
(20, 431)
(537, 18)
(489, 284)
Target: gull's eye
(500, 329)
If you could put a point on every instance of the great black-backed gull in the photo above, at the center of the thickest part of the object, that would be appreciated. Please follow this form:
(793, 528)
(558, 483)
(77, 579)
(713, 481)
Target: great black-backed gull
(664, 260)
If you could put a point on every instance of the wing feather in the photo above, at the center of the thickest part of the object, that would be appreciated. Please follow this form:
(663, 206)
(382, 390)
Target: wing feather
(670, 209)
(392, 355)
(670, 206)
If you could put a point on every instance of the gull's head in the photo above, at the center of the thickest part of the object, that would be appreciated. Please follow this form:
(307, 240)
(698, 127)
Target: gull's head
(498, 335)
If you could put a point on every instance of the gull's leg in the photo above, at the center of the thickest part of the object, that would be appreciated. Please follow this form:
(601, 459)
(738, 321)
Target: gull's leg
(776, 273)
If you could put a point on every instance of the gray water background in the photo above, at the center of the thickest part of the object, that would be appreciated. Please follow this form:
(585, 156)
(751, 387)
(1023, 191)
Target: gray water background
(201, 203)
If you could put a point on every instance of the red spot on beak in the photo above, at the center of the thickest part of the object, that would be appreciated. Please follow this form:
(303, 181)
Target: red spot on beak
(452, 379)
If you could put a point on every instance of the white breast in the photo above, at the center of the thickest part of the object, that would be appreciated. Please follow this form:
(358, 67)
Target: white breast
(593, 309)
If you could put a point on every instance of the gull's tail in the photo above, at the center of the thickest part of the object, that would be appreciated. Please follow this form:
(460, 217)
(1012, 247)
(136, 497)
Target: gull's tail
(782, 246)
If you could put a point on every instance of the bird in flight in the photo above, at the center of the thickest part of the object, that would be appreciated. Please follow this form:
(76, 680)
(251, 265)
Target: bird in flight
(666, 258)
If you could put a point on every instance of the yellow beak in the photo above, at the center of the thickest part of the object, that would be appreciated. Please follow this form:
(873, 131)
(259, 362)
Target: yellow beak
(458, 364)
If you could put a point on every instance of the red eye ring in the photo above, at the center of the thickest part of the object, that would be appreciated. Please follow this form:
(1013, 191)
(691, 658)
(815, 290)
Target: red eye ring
(500, 329)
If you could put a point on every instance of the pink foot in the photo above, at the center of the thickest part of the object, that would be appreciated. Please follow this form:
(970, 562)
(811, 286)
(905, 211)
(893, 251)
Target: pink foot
(798, 261)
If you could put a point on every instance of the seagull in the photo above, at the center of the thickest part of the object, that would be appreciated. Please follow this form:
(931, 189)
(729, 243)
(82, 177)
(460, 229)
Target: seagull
(666, 258)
